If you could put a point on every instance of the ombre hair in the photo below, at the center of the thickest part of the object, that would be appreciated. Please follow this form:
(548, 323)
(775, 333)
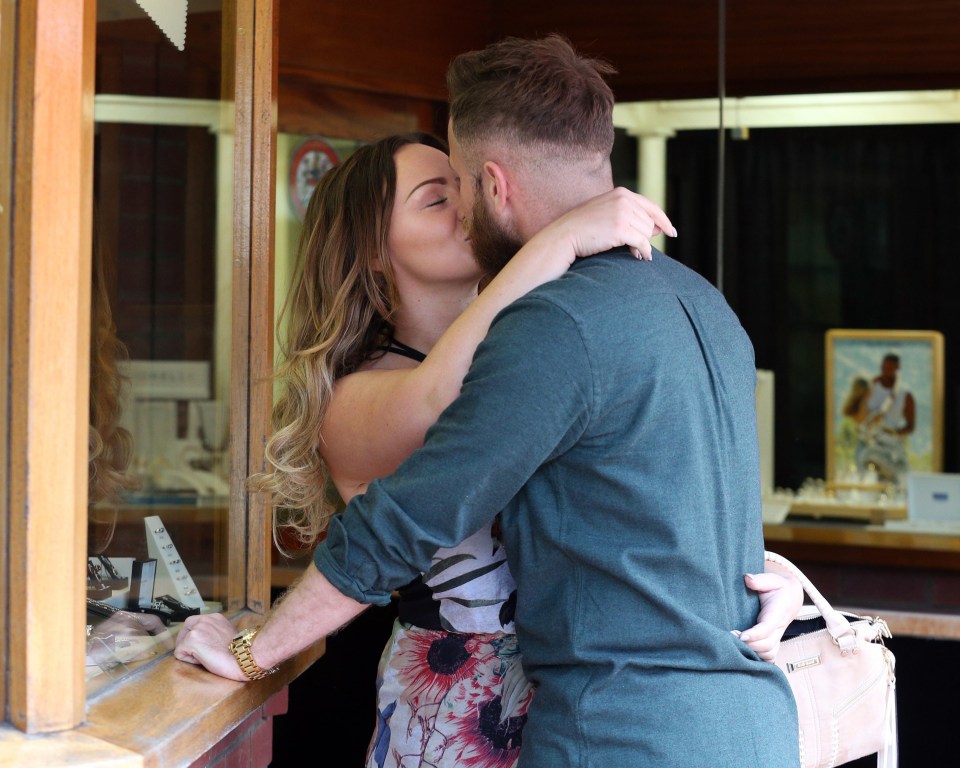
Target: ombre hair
(338, 314)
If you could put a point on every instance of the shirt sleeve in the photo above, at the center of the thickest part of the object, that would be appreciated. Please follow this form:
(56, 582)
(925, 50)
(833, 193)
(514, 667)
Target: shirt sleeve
(525, 400)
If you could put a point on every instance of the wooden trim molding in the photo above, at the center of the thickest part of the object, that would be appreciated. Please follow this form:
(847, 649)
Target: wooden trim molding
(261, 275)
(49, 362)
(8, 9)
(250, 59)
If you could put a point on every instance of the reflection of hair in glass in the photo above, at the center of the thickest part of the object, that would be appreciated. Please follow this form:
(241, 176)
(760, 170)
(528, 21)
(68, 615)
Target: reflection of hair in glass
(110, 445)
(339, 308)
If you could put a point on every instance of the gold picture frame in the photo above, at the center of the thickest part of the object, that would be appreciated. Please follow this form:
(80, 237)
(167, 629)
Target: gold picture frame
(884, 405)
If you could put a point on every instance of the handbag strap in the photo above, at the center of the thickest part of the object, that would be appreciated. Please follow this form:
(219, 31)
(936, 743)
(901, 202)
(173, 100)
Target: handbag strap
(837, 625)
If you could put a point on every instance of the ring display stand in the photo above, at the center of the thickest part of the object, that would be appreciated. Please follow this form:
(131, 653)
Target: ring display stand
(172, 577)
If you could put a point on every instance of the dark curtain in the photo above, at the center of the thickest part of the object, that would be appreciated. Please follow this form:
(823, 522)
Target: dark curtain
(853, 227)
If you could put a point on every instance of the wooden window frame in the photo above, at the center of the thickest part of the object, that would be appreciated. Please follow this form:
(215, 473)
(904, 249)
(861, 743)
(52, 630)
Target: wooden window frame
(46, 167)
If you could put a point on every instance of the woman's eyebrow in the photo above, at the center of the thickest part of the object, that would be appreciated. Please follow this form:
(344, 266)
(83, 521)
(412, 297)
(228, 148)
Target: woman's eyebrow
(435, 180)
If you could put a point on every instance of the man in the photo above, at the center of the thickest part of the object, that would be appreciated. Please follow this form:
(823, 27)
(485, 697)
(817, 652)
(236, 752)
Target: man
(610, 415)
(889, 421)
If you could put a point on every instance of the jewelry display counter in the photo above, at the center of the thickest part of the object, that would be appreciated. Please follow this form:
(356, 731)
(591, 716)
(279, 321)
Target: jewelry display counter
(871, 513)
(912, 576)
(835, 541)
(164, 714)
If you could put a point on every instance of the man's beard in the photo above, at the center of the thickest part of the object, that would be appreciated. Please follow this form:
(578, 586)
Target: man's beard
(492, 245)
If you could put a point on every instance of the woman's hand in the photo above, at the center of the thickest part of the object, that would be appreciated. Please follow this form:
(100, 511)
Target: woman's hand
(204, 640)
(781, 597)
(618, 217)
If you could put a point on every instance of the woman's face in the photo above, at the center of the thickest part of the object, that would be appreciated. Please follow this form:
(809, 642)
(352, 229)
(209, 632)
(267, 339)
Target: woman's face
(427, 242)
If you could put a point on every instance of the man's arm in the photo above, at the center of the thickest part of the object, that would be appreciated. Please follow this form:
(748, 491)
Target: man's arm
(443, 493)
(909, 415)
(310, 610)
(525, 400)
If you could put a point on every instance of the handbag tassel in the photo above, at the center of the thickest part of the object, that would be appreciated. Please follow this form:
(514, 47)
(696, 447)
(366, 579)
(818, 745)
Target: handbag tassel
(887, 757)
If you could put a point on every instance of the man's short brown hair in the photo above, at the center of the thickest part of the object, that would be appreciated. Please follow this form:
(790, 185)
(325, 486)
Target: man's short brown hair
(532, 92)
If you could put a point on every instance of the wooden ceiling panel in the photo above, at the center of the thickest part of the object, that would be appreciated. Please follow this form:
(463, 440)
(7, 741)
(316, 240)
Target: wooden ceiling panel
(671, 50)
(824, 46)
(661, 50)
(658, 49)
(397, 48)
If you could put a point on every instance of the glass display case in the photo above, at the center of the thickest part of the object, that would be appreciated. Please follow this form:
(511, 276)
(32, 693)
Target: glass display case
(161, 332)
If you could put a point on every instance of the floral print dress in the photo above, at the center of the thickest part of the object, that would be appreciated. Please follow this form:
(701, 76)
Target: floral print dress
(452, 692)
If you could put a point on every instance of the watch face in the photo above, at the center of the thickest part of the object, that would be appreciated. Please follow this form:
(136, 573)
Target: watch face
(310, 161)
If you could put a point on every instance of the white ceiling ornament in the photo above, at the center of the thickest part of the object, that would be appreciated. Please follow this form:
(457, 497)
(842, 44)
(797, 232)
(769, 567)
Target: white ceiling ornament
(170, 16)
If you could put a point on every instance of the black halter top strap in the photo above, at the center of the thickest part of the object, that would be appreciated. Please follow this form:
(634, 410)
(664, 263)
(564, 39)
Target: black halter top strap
(399, 348)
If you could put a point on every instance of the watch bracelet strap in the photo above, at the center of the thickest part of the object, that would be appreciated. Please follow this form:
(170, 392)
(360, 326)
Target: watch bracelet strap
(240, 648)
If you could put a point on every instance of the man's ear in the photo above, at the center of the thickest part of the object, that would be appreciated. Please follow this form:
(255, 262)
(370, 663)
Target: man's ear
(496, 185)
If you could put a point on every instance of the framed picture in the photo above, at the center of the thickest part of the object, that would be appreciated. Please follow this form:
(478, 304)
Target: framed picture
(884, 392)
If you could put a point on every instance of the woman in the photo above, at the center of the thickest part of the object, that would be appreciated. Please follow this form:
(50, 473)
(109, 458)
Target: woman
(853, 415)
(384, 319)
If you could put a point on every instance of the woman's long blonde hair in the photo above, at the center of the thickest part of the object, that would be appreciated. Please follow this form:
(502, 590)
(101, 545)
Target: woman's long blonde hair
(339, 310)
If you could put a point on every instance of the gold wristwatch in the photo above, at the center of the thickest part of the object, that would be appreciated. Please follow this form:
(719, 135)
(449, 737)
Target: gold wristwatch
(240, 648)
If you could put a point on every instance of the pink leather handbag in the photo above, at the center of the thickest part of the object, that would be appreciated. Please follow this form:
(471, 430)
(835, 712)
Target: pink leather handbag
(843, 680)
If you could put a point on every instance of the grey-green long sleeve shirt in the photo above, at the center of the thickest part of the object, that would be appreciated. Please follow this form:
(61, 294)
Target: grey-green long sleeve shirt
(610, 416)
